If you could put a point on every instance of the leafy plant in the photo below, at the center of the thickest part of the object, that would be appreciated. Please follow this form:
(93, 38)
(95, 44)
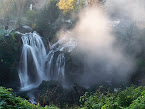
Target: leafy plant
(8, 59)
(131, 98)
(139, 103)
(9, 101)
(67, 5)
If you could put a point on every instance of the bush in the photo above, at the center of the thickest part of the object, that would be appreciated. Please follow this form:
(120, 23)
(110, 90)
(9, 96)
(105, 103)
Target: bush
(9, 101)
(126, 97)
(31, 17)
(139, 103)
(9, 60)
(131, 98)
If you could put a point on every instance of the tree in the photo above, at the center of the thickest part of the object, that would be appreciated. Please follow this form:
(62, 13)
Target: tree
(67, 5)
(45, 23)
(38, 4)
(6, 7)
(20, 5)
(93, 2)
(7, 12)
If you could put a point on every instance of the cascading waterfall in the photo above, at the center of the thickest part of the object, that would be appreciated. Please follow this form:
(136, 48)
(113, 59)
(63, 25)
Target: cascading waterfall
(36, 65)
(66, 44)
(31, 70)
(60, 63)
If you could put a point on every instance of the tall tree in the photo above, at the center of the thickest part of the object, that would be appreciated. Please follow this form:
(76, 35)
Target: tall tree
(20, 5)
(67, 5)
(5, 8)
(38, 4)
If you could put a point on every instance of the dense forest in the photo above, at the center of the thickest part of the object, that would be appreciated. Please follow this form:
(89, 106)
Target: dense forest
(72, 54)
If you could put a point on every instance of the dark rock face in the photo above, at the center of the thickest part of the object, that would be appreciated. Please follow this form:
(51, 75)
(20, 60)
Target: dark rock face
(74, 67)
(52, 92)
(26, 29)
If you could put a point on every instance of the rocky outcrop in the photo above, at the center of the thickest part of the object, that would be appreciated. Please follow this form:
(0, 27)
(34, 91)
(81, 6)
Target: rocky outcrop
(26, 29)
(52, 92)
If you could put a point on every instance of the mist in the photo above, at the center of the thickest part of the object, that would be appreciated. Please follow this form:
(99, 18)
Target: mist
(132, 24)
(39, 4)
(133, 10)
(103, 59)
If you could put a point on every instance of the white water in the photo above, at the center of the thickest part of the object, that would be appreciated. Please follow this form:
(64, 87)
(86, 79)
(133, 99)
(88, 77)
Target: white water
(36, 65)
(60, 63)
(66, 44)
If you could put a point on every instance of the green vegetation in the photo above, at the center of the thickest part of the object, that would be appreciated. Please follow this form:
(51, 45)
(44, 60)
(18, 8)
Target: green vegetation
(67, 6)
(131, 98)
(9, 56)
(47, 20)
(9, 101)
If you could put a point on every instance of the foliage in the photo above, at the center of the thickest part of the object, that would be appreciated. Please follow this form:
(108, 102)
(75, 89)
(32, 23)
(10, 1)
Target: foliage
(139, 103)
(131, 98)
(67, 5)
(31, 16)
(2, 31)
(8, 59)
(126, 97)
(13, 10)
(52, 92)
(20, 7)
(47, 19)
(9, 101)
(7, 8)
(80, 5)
(100, 100)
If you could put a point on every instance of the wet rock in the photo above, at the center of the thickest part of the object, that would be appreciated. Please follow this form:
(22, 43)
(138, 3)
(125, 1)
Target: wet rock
(51, 92)
(26, 29)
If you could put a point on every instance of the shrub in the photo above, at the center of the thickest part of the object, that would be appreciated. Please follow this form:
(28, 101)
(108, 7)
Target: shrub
(126, 97)
(139, 103)
(31, 17)
(67, 6)
(8, 59)
(9, 101)
(131, 98)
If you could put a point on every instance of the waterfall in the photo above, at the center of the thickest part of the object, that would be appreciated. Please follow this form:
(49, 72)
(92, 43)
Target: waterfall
(36, 65)
(60, 63)
(31, 70)
(66, 44)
